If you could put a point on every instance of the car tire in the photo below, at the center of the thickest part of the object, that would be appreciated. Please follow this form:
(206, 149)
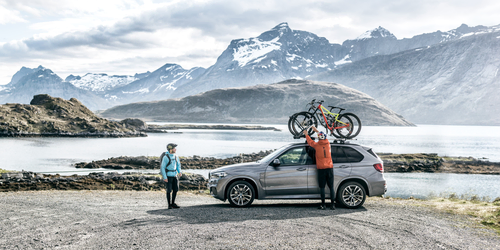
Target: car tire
(241, 194)
(351, 195)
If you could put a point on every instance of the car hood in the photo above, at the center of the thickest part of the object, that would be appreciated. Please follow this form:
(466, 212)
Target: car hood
(236, 167)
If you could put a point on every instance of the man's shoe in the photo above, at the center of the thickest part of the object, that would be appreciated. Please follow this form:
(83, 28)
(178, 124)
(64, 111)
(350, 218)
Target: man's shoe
(321, 207)
(175, 205)
(169, 207)
(332, 207)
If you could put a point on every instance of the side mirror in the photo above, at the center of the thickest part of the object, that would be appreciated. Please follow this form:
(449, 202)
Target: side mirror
(276, 162)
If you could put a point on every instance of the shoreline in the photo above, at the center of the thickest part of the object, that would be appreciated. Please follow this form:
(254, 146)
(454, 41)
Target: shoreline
(141, 131)
(393, 163)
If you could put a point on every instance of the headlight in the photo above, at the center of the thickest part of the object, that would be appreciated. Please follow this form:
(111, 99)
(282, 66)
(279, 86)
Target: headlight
(218, 175)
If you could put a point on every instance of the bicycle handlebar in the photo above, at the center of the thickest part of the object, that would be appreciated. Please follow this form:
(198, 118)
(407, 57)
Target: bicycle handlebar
(314, 101)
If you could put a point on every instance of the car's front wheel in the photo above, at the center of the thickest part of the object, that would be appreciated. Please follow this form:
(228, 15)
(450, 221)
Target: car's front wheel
(241, 194)
(352, 195)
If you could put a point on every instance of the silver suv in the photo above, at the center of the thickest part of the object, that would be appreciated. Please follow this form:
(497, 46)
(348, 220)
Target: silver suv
(290, 173)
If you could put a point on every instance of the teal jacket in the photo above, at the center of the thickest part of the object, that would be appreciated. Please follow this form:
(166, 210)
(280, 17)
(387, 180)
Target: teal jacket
(173, 168)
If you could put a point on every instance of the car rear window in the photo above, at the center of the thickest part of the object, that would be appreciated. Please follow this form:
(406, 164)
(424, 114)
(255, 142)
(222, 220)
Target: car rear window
(353, 155)
(372, 153)
(338, 155)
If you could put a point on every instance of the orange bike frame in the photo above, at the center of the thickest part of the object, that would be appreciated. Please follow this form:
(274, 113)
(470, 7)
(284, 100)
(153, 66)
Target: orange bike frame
(336, 115)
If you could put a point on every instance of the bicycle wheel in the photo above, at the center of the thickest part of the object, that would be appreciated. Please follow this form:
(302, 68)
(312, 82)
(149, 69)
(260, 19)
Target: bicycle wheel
(343, 126)
(301, 121)
(355, 124)
(290, 120)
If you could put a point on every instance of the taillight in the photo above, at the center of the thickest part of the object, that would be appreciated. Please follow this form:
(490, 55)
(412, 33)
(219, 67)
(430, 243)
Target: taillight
(379, 167)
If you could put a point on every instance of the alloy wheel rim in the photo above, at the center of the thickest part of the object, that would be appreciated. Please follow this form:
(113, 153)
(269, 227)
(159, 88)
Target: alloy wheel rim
(241, 194)
(352, 195)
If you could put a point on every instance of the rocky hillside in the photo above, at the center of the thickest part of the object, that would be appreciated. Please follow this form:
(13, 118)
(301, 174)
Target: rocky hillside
(271, 104)
(49, 116)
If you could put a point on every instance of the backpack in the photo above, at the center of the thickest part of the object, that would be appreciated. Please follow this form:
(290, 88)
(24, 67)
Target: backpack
(169, 161)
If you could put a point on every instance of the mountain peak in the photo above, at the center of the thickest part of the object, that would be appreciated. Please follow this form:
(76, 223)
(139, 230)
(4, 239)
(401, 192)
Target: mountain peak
(283, 25)
(379, 32)
(277, 32)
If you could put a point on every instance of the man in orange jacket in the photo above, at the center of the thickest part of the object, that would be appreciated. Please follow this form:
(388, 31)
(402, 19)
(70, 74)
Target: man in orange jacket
(324, 164)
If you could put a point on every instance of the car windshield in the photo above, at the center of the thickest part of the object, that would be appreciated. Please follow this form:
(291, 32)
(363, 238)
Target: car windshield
(272, 155)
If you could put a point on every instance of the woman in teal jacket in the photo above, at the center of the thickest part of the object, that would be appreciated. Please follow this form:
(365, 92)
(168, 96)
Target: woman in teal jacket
(170, 170)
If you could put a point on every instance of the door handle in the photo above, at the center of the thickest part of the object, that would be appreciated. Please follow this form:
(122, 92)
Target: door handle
(343, 166)
(301, 169)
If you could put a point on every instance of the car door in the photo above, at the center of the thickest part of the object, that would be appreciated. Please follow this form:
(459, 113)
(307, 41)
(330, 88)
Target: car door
(341, 169)
(290, 176)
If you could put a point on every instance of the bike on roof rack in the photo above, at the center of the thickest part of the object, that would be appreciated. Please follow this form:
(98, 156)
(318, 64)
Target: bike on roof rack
(342, 126)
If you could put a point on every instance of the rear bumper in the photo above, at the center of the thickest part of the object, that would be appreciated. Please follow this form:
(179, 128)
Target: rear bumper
(378, 188)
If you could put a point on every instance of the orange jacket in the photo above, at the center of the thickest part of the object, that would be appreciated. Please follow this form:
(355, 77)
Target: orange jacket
(323, 153)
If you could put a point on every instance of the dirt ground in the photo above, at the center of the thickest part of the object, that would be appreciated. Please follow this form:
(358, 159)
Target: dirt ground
(140, 220)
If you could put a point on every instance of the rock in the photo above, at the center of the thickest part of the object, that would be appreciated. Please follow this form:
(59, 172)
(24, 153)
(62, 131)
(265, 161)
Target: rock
(134, 122)
(50, 116)
(41, 99)
(94, 181)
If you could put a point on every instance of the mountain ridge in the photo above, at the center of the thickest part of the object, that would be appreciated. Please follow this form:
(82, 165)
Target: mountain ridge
(264, 103)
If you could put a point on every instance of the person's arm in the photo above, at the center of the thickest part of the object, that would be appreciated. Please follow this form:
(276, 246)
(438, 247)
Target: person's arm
(310, 141)
(163, 167)
(178, 166)
(315, 129)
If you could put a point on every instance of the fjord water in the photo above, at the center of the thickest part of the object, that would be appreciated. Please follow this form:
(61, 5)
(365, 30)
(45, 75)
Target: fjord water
(56, 155)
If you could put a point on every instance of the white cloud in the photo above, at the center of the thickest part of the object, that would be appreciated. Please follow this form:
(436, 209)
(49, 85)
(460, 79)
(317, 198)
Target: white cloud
(9, 16)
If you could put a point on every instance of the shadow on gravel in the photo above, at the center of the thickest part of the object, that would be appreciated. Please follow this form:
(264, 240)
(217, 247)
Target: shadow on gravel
(215, 213)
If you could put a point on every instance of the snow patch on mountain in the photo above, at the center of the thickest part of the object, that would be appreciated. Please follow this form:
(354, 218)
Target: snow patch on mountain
(253, 50)
(101, 82)
(346, 59)
(375, 33)
(140, 91)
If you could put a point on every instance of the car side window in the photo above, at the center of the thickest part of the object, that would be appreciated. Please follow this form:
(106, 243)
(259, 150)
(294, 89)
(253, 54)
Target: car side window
(338, 155)
(353, 155)
(295, 156)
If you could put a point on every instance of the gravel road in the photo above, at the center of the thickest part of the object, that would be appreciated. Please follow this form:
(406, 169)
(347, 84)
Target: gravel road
(139, 220)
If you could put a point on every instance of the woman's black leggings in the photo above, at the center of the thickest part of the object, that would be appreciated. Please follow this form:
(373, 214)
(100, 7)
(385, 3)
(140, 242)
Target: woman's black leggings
(172, 185)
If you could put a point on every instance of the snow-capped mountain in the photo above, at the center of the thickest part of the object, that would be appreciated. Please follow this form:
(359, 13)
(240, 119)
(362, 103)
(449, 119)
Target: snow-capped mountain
(382, 42)
(282, 53)
(278, 54)
(22, 73)
(158, 85)
(99, 82)
(456, 81)
(44, 81)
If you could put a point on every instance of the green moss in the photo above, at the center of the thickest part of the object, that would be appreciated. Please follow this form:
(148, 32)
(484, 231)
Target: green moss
(493, 221)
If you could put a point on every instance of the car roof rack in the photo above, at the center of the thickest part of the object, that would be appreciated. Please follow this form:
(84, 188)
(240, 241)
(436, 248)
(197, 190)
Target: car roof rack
(334, 141)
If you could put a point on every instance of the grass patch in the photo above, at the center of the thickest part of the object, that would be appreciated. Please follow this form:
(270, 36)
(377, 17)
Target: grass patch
(6, 171)
(480, 209)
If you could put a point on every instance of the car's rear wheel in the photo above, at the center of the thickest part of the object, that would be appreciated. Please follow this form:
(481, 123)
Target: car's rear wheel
(352, 195)
(241, 194)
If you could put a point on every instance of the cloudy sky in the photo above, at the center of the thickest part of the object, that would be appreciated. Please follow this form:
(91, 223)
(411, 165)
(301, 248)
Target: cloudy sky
(125, 37)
